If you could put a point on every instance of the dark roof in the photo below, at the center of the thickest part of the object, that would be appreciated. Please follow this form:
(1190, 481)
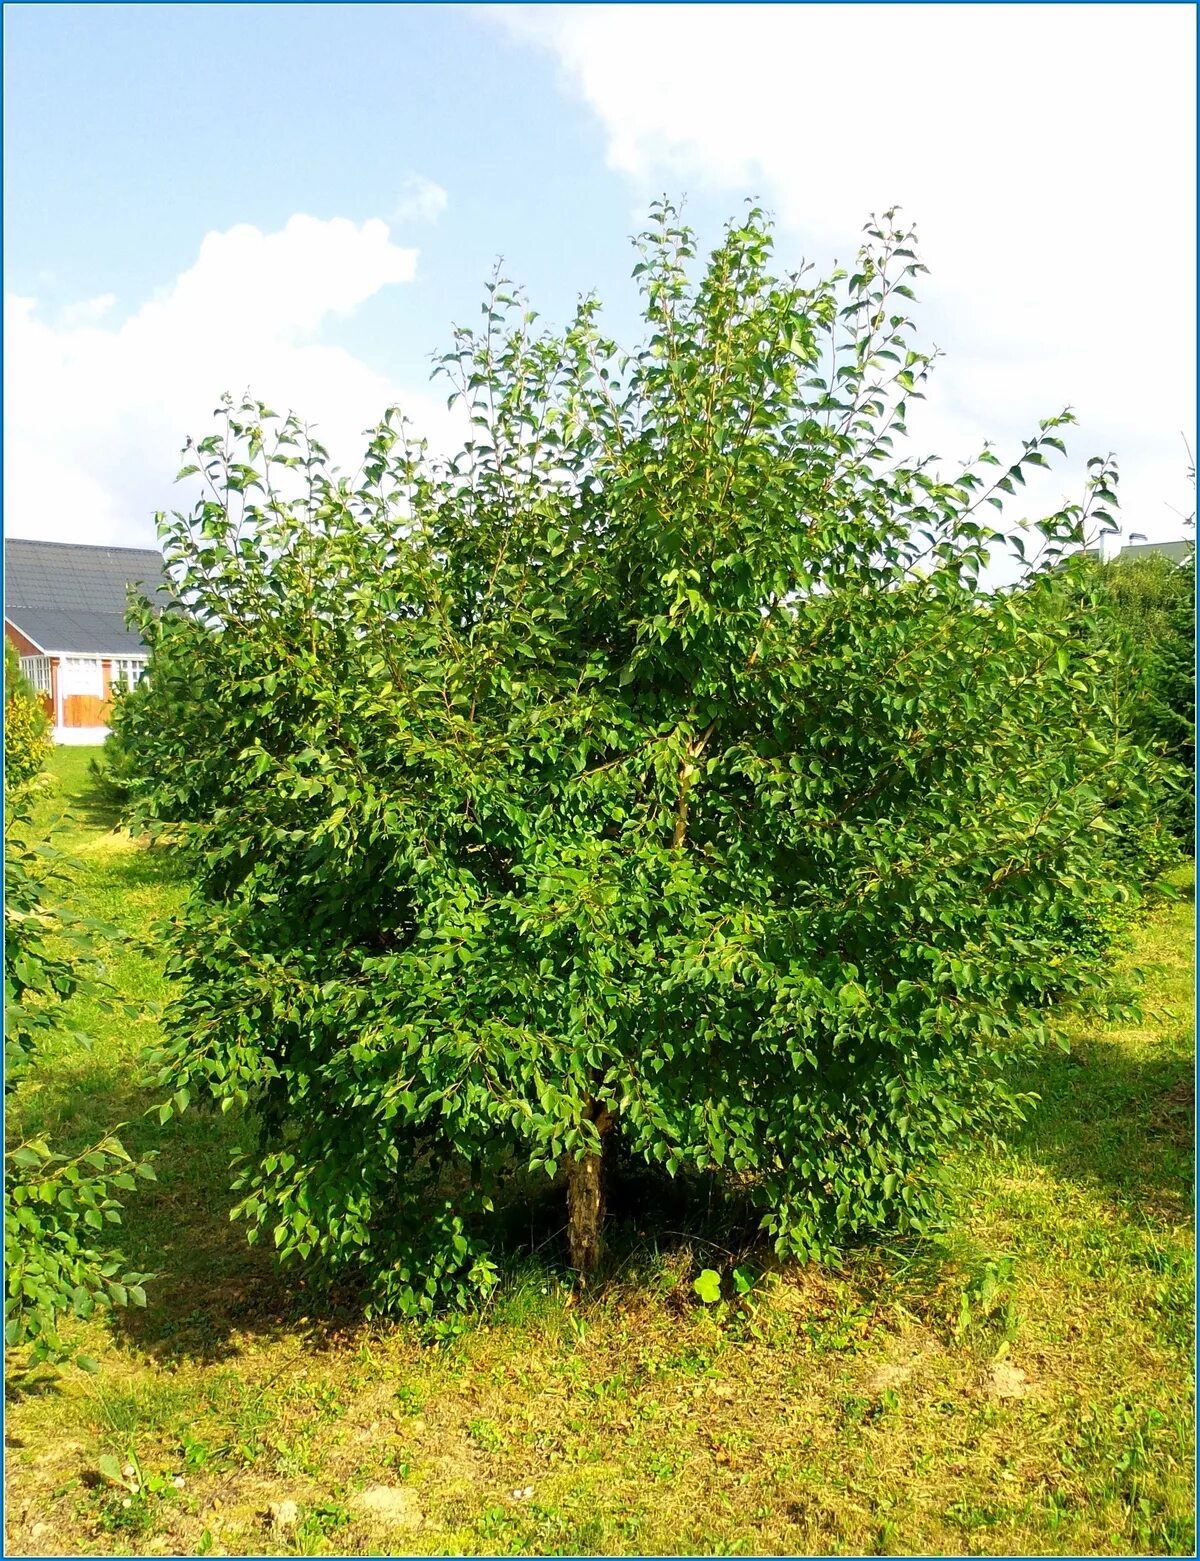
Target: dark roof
(1176, 551)
(71, 597)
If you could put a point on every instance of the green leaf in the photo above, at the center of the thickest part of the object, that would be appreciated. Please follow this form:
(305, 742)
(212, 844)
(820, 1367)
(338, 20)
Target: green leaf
(707, 1285)
(110, 1469)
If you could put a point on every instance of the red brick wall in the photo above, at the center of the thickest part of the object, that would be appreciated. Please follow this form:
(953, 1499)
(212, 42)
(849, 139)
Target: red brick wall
(25, 647)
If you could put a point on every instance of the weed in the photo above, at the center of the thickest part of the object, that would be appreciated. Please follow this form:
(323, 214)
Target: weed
(985, 1305)
(321, 1522)
(130, 1498)
(486, 1435)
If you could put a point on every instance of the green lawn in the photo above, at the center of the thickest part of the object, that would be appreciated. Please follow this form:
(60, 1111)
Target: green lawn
(1024, 1386)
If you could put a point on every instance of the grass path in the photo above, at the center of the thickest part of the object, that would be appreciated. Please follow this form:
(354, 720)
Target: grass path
(1022, 1387)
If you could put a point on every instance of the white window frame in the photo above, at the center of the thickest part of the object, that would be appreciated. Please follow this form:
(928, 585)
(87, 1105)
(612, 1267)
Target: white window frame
(128, 669)
(37, 670)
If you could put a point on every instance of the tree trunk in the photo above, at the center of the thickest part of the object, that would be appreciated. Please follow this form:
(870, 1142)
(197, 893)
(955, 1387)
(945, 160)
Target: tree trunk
(585, 1199)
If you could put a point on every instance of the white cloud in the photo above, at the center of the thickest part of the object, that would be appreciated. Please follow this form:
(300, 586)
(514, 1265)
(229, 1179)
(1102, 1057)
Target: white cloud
(87, 311)
(95, 413)
(421, 200)
(1046, 153)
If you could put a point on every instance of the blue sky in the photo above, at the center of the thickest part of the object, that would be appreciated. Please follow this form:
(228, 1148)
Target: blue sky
(159, 160)
(131, 131)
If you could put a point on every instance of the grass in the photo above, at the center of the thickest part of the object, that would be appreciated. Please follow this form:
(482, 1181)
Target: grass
(1024, 1386)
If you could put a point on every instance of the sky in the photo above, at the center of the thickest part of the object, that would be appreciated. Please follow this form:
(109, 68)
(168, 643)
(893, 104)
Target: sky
(302, 200)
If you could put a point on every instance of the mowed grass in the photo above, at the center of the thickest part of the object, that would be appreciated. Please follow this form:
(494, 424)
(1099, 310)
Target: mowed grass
(1022, 1386)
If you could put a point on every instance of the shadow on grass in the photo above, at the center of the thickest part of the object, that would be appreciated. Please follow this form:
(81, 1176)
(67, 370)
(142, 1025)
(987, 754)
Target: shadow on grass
(1117, 1122)
(94, 806)
(209, 1284)
(151, 866)
(1107, 1120)
(73, 788)
(647, 1214)
(214, 1290)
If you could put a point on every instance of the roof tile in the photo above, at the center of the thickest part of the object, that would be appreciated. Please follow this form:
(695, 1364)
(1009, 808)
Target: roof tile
(71, 597)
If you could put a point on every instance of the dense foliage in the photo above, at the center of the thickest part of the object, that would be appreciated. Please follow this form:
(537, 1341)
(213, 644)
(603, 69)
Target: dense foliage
(657, 768)
(59, 1207)
(26, 725)
(1153, 600)
(114, 770)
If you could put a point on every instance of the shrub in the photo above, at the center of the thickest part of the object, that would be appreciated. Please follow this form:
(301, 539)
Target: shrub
(1153, 601)
(58, 1210)
(26, 726)
(113, 770)
(153, 723)
(657, 766)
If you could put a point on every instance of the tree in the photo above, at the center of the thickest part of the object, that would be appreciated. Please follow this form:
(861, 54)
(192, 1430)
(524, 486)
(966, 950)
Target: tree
(656, 767)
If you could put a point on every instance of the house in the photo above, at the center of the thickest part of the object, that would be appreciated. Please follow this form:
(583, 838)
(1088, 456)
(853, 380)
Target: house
(64, 610)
